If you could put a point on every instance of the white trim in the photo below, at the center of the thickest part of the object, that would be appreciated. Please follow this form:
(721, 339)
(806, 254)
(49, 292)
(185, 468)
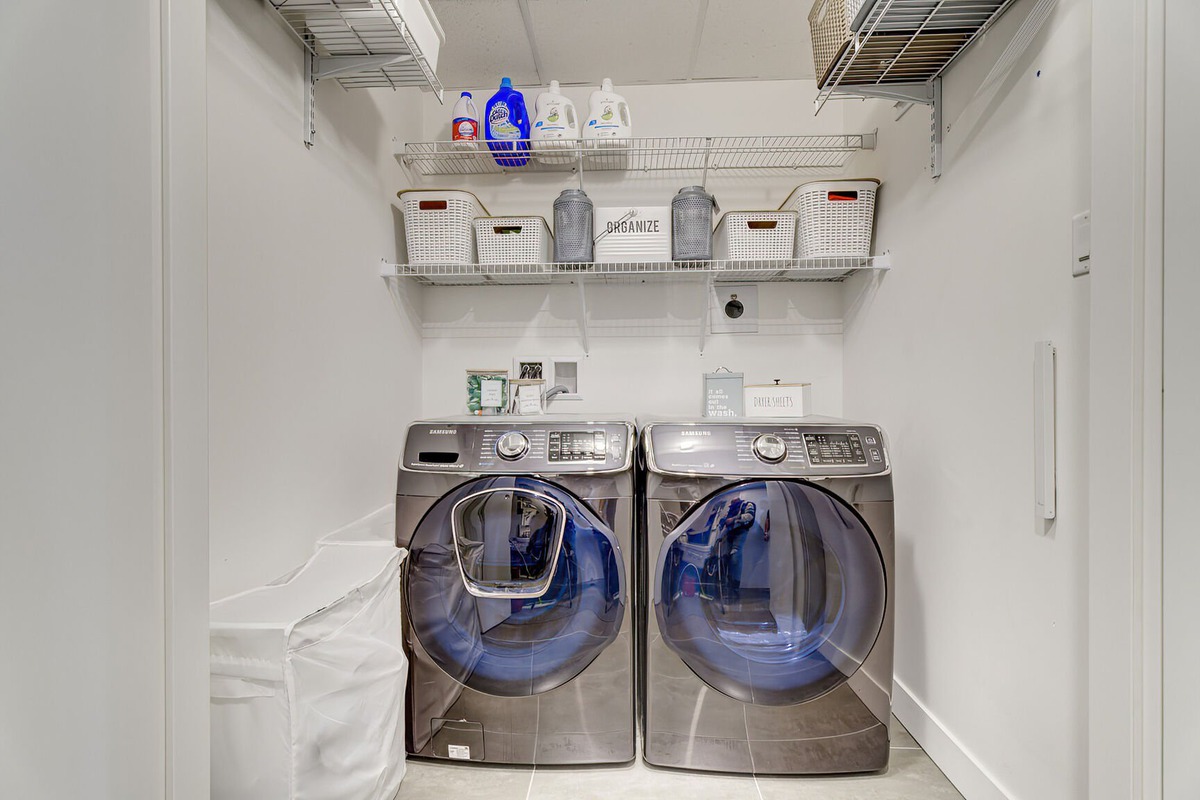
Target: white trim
(183, 199)
(1116, 415)
(1149, 762)
(969, 776)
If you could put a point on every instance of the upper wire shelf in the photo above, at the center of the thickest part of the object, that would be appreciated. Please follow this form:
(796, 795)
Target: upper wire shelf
(810, 270)
(901, 46)
(690, 153)
(374, 32)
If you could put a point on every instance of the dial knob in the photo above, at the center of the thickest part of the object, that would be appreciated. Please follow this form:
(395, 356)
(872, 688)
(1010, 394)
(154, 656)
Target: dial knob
(770, 448)
(512, 445)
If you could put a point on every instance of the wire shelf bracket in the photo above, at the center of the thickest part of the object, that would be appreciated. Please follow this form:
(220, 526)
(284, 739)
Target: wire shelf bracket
(704, 274)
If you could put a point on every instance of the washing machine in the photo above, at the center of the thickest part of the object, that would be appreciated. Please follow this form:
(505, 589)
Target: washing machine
(768, 612)
(518, 607)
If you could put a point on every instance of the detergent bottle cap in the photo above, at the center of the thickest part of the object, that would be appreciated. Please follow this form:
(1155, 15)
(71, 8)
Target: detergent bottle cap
(505, 83)
(554, 87)
(467, 95)
(606, 85)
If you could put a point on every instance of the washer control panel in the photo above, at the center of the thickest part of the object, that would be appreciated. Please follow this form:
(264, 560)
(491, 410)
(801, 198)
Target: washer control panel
(503, 446)
(765, 449)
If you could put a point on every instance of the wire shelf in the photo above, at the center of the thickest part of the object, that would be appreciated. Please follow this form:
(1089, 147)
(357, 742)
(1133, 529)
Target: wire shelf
(335, 29)
(902, 43)
(694, 153)
(813, 270)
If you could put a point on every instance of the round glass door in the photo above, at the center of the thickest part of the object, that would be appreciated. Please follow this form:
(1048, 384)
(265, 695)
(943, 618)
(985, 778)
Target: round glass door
(772, 592)
(514, 585)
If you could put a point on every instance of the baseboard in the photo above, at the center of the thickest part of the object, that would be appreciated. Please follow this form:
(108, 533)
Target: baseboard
(962, 768)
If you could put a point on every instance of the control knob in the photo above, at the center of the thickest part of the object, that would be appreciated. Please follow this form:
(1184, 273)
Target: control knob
(512, 445)
(770, 448)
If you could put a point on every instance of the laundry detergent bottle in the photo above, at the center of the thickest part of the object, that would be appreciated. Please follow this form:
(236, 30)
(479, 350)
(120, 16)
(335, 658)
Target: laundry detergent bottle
(608, 122)
(555, 131)
(466, 123)
(507, 126)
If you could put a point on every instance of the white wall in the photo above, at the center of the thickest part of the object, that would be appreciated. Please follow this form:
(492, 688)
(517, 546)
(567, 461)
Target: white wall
(991, 603)
(81, 410)
(314, 371)
(645, 339)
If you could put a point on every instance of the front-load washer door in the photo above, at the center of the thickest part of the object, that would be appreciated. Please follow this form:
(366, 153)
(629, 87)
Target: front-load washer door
(514, 585)
(772, 592)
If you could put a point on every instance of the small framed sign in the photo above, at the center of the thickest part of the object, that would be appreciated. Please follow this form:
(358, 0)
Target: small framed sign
(722, 394)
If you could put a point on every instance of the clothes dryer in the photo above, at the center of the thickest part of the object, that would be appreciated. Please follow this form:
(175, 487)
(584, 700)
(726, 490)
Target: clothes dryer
(769, 622)
(517, 594)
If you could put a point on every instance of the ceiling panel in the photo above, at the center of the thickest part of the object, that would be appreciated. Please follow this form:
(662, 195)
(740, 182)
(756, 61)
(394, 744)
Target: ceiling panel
(763, 39)
(485, 41)
(630, 41)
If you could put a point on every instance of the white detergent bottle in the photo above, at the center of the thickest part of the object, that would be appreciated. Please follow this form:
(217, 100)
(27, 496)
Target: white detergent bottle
(609, 123)
(465, 124)
(555, 131)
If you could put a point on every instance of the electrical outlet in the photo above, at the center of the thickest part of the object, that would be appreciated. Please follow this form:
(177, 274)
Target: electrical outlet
(733, 308)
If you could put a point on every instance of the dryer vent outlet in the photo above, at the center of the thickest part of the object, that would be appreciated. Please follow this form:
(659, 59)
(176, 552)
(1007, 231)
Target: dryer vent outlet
(733, 308)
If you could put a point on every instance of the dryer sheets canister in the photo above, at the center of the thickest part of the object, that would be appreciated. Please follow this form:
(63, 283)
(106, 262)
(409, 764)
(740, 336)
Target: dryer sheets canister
(307, 682)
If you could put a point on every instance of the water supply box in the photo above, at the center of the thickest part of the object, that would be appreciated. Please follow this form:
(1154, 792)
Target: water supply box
(778, 400)
(629, 234)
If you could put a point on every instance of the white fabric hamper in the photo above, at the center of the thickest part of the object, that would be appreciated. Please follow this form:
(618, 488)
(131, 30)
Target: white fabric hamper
(307, 682)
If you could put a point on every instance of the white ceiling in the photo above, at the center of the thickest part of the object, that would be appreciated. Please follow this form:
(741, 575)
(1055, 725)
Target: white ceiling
(579, 42)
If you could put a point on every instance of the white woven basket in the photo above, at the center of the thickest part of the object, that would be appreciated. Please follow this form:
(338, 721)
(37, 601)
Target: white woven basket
(755, 235)
(437, 225)
(513, 240)
(830, 23)
(836, 217)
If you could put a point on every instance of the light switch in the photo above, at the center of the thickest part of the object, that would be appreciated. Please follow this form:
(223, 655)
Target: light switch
(1081, 244)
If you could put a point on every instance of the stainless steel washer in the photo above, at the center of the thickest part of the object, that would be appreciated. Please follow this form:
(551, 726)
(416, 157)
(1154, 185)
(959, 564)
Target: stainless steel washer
(768, 614)
(518, 607)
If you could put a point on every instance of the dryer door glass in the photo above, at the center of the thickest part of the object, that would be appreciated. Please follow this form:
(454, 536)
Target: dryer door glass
(772, 592)
(513, 585)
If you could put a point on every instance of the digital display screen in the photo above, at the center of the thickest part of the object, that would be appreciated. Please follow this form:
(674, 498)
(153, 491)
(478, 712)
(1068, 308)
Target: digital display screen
(834, 448)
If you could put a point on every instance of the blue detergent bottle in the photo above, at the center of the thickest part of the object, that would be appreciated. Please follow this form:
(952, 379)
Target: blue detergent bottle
(507, 126)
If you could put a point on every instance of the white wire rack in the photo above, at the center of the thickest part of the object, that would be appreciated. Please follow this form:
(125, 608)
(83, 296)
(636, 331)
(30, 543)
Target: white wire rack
(786, 270)
(340, 28)
(899, 46)
(692, 153)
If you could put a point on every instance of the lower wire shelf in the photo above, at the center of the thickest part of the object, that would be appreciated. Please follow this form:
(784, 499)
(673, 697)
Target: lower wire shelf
(811, 270)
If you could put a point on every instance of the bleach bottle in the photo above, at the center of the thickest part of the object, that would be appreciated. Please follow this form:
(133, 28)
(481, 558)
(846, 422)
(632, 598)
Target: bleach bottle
(507, 126)
(555, 127)
(465, 127)
(608, 122)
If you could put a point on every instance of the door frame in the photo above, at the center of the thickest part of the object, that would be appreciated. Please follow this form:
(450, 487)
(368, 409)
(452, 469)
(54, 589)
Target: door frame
(1125, 412)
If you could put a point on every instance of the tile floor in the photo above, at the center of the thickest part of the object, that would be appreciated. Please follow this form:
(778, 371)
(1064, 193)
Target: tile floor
(911, 776)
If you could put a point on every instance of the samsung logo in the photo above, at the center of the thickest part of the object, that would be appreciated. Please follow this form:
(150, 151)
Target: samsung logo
(695, 433)
(443, 431)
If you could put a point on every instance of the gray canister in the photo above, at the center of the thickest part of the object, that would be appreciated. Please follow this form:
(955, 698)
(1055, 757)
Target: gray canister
(692, 224)
(572, 227)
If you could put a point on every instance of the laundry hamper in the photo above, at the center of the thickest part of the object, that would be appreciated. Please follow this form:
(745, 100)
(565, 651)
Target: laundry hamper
(513, 240)
(307, 682)
(438, 225)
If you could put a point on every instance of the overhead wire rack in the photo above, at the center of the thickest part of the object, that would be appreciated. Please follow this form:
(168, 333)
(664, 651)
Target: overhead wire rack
(742, 154)
(899, 49)
(363, 44)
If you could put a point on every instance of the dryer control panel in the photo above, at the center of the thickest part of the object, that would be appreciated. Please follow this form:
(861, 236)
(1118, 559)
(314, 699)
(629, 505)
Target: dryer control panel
(765, 449)
(508, 445)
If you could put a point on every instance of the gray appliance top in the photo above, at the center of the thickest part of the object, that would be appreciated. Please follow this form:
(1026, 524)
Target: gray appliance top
(805, 447)
(506, 444)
